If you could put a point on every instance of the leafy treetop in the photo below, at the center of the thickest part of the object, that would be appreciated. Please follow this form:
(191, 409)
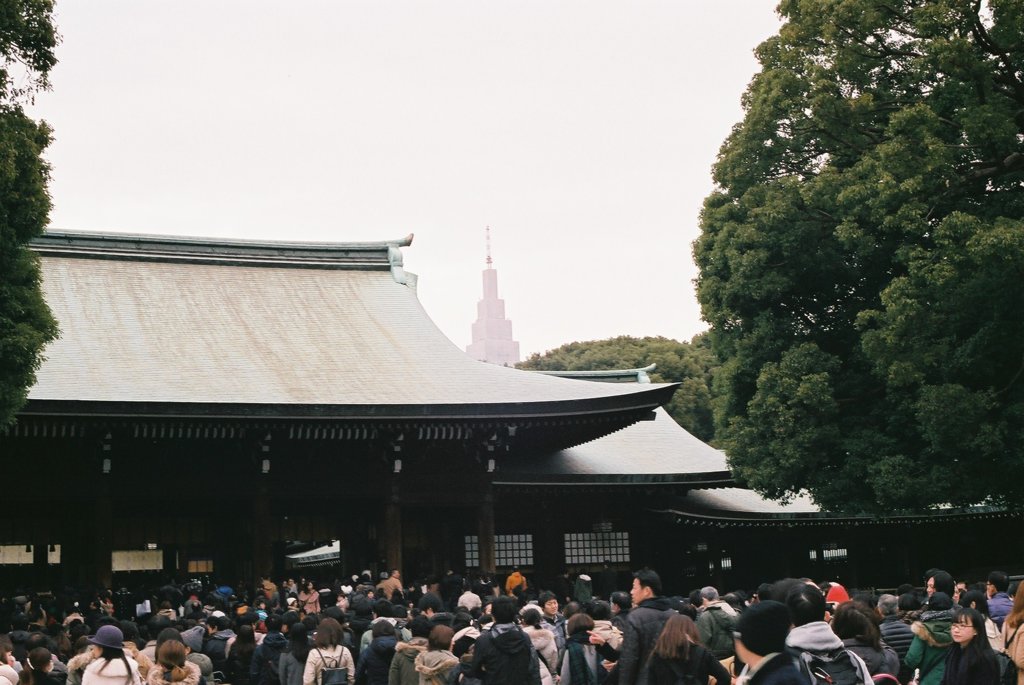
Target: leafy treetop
(862, 258)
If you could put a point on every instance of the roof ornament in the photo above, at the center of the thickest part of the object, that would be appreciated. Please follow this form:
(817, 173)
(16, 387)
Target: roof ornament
(395, 259)
(489, 260)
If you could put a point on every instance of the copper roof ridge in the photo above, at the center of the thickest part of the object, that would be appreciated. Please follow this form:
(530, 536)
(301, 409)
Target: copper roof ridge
(149, 247)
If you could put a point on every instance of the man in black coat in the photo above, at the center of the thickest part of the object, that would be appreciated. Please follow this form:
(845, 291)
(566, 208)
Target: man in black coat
(504, 654)
(643, 625)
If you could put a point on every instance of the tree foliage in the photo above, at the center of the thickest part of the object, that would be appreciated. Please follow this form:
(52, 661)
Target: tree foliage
(861, 261)
(691, 364)
(27, 42)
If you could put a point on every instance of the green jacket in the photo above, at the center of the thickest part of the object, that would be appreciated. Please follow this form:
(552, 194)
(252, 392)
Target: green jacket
(932, 639)
(715, 625)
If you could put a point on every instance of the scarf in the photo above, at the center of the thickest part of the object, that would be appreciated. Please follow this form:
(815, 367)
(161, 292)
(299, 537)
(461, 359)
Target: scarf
(579, 672)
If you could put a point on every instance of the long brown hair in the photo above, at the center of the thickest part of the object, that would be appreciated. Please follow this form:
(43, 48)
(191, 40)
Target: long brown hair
(1016, 615)
(328, 634)
(676, 637)
(36, 661)
(171, 657)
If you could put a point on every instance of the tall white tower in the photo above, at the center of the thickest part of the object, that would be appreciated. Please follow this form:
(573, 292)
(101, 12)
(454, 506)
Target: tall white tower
(492, 332)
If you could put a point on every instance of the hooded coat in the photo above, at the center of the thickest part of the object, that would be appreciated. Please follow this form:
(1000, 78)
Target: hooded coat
(375, 661)
(435, 667)
(112, 672)
(504, 655)
(403, 666)
(932, 640)
(817, 638)
(265, 666)
(544, 642)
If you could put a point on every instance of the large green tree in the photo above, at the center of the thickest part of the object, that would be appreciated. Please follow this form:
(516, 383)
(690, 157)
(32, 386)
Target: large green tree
(862, 259)
(690, 364)
(27, 43)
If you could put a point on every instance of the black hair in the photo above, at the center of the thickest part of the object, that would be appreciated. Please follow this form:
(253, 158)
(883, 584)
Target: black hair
(978, 650)
(546, 597)
(648, 578)
(430, 601)
(382, 629)
(504, 609)
(530, 616)
(909, 601)
(943, 582)
(621, 600)
(600, 610)
(806, 604)
(274, 623)
(166, 635)
(940, 601)
(298, 642)
(461, 620)
(382, 608)
(1000, 581)
(421, 625)
(977, 598)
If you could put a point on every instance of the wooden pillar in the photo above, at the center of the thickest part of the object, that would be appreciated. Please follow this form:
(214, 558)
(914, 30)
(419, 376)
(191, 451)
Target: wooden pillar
(392, 538)
(40, 558)
(262, 544)
(486, 532)
(103, 541)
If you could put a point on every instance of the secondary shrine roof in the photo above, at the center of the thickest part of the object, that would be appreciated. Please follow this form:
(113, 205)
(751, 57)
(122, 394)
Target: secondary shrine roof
(658, 451)
(171, 323)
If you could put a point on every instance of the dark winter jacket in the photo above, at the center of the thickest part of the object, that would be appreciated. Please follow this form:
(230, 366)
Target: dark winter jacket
(215, 647)
(504, 655)
(643, 625)
(266, 660)
(779, 670)
(884, 660)
(375, 661)
(897, 635)
(701, 664)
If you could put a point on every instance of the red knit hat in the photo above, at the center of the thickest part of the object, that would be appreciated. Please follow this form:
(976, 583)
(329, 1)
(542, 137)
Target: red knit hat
(837, 594)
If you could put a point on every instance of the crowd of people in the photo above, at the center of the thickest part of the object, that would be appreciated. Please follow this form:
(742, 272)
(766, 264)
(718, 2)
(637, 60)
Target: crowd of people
(449, 630)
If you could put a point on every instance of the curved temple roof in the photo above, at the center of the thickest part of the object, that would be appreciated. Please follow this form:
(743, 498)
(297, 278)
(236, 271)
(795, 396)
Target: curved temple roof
(658, 451)
(181, 322)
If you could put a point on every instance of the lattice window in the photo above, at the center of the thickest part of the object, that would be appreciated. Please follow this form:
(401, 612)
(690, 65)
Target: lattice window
(513, 550)
(472, 544)
(594, 548)
(509, 550)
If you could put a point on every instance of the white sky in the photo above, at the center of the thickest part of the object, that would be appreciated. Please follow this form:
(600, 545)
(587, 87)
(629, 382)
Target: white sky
(582, 132)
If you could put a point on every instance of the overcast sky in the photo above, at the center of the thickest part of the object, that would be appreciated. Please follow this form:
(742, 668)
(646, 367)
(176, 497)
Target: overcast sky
(582, 132)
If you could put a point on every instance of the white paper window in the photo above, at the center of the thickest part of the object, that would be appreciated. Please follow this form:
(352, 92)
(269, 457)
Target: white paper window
(594, 548)
(137, 560)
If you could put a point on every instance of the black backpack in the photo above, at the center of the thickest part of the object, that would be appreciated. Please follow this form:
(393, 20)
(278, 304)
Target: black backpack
(270, 669)
(839, 667)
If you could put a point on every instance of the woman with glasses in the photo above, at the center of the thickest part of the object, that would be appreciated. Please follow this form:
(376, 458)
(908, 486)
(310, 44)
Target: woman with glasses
(971, 660)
